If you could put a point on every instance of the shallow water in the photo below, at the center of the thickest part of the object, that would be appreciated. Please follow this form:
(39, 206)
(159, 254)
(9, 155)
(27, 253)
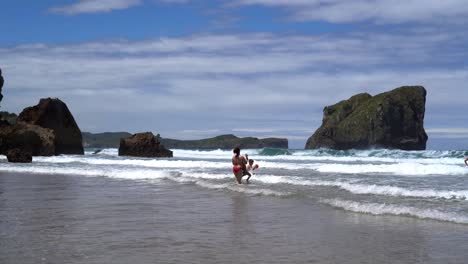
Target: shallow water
(301, 207)
(70, 219)
(420, 184)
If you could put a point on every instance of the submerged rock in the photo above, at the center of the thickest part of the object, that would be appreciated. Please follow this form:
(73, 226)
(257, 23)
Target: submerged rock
(52, 113)
(19, 156)
(143, 145)
(394, 119)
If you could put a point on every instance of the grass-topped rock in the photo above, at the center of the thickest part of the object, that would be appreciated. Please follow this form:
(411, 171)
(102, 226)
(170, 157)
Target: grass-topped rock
(393, 119)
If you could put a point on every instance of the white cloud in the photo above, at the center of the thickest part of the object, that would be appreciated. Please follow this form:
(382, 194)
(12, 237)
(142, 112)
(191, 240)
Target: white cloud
(102, 6)
(95, 6)
(224, 83)
(380, 11)
(448, 132)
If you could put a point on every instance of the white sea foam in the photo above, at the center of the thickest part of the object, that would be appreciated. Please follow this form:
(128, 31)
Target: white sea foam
(363, 156)
(388, 209)
(357, 188)
(154, 163)
(411, 169)
(242, 188)
(135, 174)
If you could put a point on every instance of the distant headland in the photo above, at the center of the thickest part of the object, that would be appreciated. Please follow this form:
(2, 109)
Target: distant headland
(112, 140)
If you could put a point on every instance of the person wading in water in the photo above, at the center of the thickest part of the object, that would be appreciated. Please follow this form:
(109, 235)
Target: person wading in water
(239, 164)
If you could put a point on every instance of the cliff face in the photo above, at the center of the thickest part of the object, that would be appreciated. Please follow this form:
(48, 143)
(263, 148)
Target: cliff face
(226, 142)
(394, 119)
(1, 85)
(54, 114)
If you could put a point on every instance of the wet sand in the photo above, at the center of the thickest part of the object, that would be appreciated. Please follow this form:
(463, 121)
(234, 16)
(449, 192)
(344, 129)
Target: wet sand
(76, 219)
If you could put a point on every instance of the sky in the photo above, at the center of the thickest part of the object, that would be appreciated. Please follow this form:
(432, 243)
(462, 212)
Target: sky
(191, 69)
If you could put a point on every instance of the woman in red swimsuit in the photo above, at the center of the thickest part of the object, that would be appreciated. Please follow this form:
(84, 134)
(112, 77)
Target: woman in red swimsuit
(239, 164)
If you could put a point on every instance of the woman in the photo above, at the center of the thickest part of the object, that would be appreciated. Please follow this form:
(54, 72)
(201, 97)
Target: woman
(238, 163)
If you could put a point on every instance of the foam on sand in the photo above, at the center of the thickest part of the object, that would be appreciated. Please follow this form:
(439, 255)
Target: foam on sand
(388, 209)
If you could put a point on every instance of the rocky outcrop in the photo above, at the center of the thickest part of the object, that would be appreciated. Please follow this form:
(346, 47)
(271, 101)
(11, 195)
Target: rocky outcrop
(143, 145)
(1, 85)
(227, 142)
(36, 140)
(54, 114)
(19, 156)
(394, 119)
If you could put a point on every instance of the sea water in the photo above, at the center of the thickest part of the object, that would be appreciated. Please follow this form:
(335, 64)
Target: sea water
(431, 185)
(301, 206)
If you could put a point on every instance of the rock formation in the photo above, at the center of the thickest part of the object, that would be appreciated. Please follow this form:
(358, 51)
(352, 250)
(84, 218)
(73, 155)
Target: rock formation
(19, 156)
(143, 145)
(394, 119)
(54, 114)
(1, 85)
(36, 140)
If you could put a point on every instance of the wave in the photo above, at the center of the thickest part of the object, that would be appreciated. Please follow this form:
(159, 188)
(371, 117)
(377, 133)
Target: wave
(388, 209)
(362, 156)
(402, 168)
(273, 152)
(408, 169)
(357, 188)
(133, 174)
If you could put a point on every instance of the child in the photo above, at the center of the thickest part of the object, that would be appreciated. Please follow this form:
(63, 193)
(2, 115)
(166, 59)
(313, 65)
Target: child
(250, 167)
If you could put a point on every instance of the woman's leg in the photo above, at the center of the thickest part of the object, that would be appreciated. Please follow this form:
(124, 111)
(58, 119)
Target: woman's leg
(238, 176)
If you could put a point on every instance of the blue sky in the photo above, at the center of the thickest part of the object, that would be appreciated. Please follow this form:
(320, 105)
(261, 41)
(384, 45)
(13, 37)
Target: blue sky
(193, 69)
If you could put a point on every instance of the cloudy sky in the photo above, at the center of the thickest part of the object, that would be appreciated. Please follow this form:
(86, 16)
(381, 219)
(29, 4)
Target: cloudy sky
(192, 69)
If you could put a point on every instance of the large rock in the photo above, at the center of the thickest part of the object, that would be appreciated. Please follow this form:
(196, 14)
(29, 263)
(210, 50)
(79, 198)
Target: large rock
(54, 114)
(28, 138)
(1, 85)
(19, 156)
(393, 119)
(143, 145)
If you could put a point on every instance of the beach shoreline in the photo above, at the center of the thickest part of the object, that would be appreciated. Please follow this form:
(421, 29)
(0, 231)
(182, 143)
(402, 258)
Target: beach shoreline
(76, 219)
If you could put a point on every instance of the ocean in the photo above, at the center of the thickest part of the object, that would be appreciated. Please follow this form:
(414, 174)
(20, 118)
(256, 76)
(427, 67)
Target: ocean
(301, 206)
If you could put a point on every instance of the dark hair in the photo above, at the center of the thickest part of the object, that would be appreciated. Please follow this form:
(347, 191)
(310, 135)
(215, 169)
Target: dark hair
(251, 161)
(236, 151)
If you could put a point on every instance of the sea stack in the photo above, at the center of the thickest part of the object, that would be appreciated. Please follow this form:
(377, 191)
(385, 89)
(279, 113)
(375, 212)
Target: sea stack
(393, 119)
(1, 85)
(53, 114)
(143, 145)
